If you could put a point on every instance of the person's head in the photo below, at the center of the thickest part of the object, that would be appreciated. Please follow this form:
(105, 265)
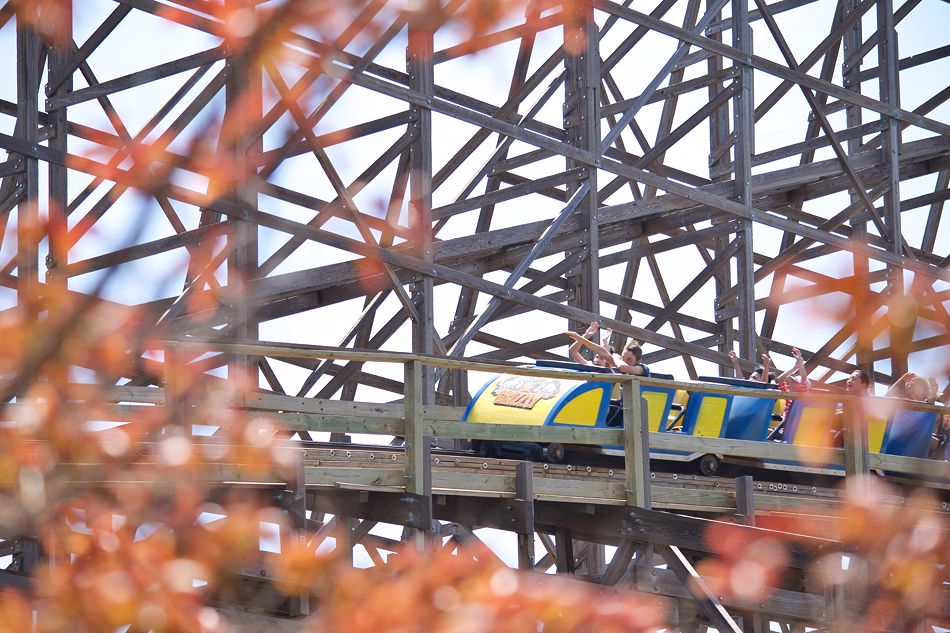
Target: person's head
(631, 353)
(759, 372)
(601, 361)
(917, 389)
(858, 382)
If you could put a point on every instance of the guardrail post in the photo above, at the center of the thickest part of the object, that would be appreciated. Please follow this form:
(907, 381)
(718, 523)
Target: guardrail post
(636, 456)
(418, 461)
(174, 385)
(855, 432)
(524, 493)
(745, 505)
(636, 445)
(296, 504)
(564, 551)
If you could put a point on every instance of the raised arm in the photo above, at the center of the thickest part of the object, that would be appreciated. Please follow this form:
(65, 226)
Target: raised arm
(799, 366)
(766, 365)
(624, 368)
(735, 364)
(575, 349)
(897, 389)
(591, 345)
(932, 390)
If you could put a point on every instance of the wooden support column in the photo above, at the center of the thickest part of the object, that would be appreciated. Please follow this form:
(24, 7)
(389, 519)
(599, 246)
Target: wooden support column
(175, 384)
(851, 41)
(524, 494)
(744, 127)
(422, 80)
(708, 602)
(855, 444)
(28, 62)
(564, 551)
(296, 506)
(745, 513)
(745, 506)
(718, 136)
(582, 125)
(418, 463)
(57, 257)
(636, 449)
(636, 452)
(346, 540)
(243, 111)
(890, 150)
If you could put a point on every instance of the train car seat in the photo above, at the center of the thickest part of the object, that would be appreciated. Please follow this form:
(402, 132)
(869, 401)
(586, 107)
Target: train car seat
(810, 424)
(659, 403)
(585, 404)
(909, 433)
(733, 417)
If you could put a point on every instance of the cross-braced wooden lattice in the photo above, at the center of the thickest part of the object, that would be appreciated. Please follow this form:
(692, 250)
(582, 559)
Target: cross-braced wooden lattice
(469, 178)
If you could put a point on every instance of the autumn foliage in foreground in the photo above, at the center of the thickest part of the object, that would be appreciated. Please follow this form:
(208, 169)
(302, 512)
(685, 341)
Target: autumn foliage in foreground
(134, 531)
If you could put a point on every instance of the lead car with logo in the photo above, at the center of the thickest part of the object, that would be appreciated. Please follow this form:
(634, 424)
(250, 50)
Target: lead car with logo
(533, 401)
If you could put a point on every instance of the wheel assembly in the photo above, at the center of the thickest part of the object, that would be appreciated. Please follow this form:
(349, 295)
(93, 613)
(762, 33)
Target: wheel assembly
(708, 465)
(554, 453)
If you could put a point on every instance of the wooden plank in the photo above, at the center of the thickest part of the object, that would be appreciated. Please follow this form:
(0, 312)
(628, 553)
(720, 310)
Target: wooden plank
(570, 435)
(524, 492)
(745, 500)
(147, 249)
(418, 473)
(708, 601)
(773, 68)
(663, 73)
(244, 621)
(610, 524)
(744, 147)
(136, 79)
(776, 7)
(636, 443)
(509, 193)
(105, 28)
(781, 603)
(576, 200)
(341, 424)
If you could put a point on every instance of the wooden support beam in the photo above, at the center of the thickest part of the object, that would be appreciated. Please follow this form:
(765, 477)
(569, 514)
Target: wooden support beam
(29, 60)
(564, 551)
(636, 442)
(418, 449)
(62, 74)
(745, 506)
(575, 202)
(524, 493)
(161, 71)
(299, 605)
(419, 62)
(772, 68)
(619, 563)
(582, 126)
(855, 435)
(664, 72)
(708, 602)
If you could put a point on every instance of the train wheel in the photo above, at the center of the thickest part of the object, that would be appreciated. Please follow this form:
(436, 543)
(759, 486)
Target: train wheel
(554, 453)
(708, 465)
